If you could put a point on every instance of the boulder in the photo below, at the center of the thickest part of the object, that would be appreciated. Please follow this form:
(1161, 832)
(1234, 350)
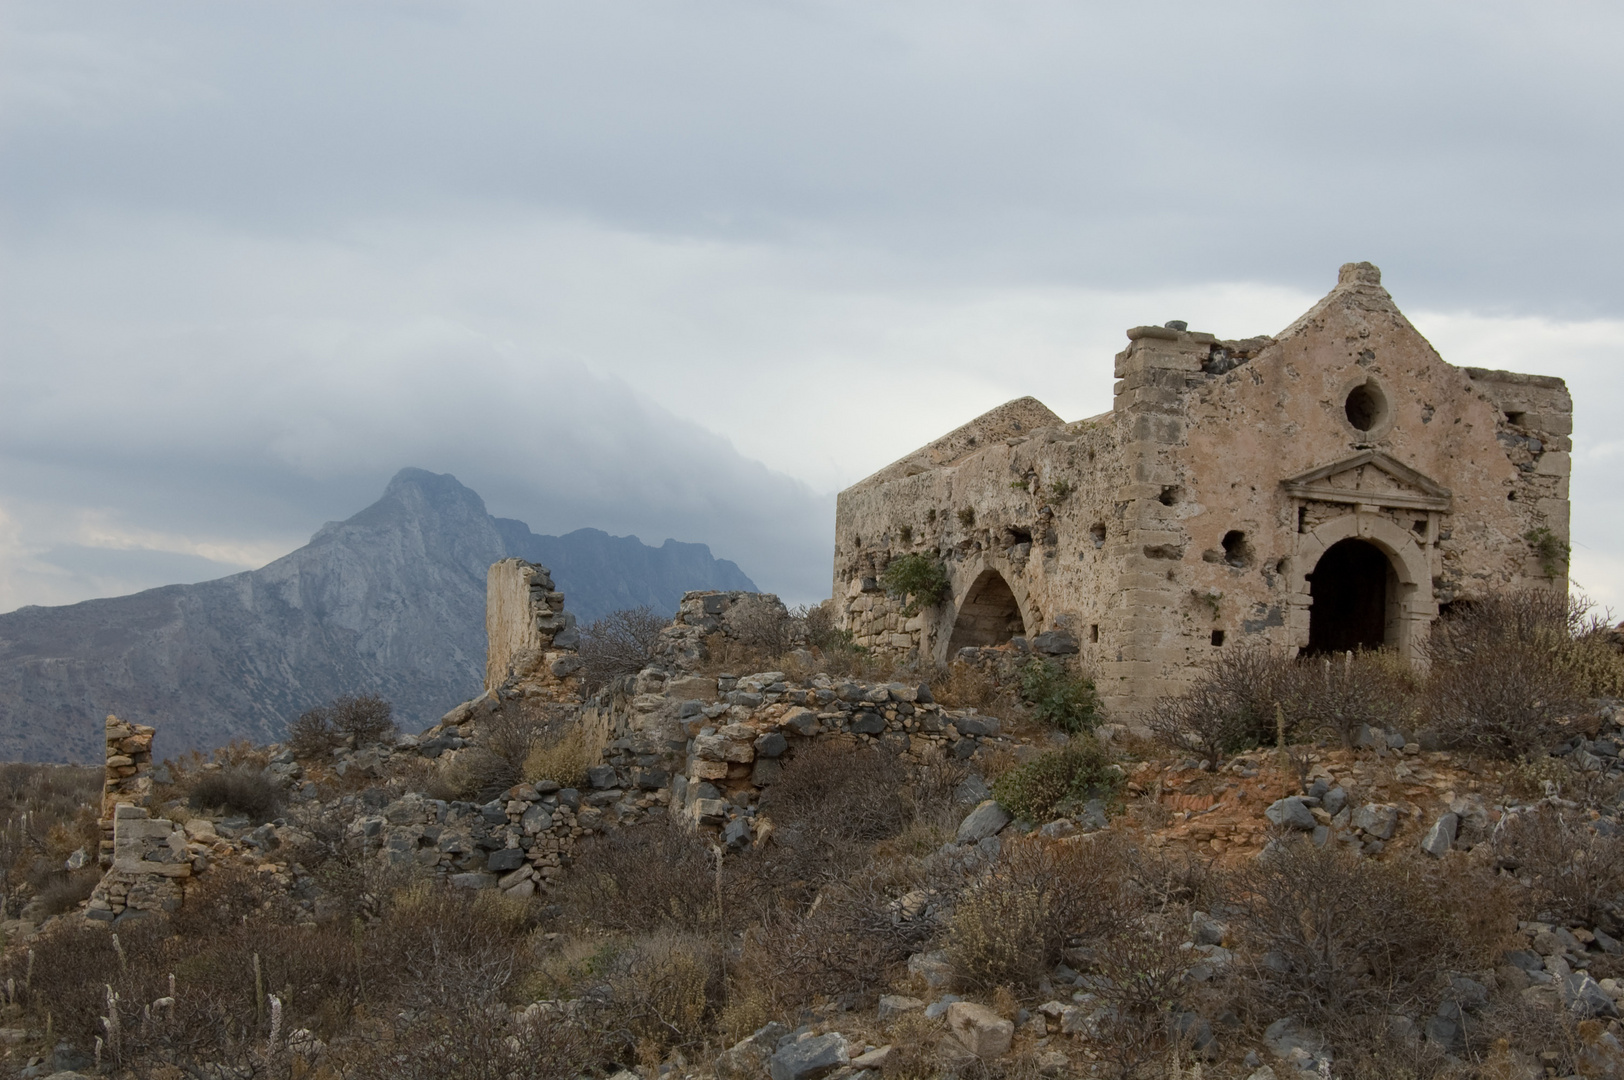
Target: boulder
(987, 819)
(1292, 813)
(894, 1005)
(1441, 837)
(1585, 998)
(809, 1058)
(1376, 819)
(980, 1030)
(932, 967)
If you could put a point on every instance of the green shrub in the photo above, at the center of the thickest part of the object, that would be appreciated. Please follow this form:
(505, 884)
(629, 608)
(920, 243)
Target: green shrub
(1059, 781)
(1551, 550)
(1060, 698)
(917, 575)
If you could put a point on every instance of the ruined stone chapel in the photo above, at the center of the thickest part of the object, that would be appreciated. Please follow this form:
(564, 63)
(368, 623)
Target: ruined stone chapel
(1326, 489)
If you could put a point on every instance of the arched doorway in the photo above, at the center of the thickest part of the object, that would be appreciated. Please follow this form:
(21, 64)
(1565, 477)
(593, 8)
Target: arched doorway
(989, 615)
(1351, 587)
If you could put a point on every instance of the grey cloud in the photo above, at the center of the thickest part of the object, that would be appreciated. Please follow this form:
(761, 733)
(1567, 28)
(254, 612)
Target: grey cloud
(1470, 147)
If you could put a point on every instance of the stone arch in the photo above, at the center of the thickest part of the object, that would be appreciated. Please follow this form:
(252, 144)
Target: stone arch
(992, 603)
(1409, 604)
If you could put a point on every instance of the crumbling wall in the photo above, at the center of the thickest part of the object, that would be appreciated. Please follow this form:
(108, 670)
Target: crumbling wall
(529, 635)
(151, 857)
(127, 779)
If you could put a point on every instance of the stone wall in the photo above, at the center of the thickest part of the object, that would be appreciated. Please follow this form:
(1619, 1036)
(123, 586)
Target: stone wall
(128, 776)
(151, 857)
(529, 634)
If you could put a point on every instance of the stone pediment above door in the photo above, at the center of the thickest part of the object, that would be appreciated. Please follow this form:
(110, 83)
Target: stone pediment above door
(1370, 478)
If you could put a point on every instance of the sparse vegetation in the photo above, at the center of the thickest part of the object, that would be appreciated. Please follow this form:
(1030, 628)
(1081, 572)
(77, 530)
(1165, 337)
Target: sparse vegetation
(1059, 697)
(1499, 683)
(918, 578)
(620, 643)
(1059, 782)
(361, 720)
(235, 790)
(1551, 550)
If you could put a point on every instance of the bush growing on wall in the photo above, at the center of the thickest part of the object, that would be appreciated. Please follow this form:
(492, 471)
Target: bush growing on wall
(917, 575)
(1058, 697)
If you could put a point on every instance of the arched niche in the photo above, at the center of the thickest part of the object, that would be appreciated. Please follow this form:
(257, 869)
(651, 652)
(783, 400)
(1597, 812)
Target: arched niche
(992, 609)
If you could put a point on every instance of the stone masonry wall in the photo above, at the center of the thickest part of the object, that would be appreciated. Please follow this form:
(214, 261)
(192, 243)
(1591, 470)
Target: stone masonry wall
(529, 634)
(128, 776)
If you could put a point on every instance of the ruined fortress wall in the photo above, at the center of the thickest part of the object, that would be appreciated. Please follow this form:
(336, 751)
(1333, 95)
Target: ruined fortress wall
(529, 634)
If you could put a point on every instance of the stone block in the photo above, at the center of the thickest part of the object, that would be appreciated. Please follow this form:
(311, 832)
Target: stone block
(980, 1030)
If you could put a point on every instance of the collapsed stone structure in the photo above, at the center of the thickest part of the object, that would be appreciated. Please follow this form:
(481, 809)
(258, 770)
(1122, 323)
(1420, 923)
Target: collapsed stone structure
(1327, 489)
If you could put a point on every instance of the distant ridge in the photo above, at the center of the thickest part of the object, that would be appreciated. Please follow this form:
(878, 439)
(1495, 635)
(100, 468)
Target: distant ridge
(390, 601)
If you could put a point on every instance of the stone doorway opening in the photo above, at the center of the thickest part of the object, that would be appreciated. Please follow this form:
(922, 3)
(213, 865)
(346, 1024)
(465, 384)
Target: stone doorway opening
(988, 616)
(1352, 588)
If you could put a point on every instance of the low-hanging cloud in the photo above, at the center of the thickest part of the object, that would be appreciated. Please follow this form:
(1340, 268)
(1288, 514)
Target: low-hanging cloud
(686, 270)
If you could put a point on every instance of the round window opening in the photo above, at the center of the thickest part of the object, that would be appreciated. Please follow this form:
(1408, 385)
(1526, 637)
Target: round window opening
(1366, 407)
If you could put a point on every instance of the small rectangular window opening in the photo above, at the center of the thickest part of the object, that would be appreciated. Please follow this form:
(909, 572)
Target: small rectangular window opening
(1515, 418)
(1420, 527)
(1217, 637)
(1094, 633)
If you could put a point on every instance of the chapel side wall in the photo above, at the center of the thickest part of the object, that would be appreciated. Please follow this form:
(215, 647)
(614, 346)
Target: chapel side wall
(1037, 504)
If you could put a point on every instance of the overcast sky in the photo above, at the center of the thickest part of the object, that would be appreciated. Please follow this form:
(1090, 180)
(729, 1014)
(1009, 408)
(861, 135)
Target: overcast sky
(686, 269)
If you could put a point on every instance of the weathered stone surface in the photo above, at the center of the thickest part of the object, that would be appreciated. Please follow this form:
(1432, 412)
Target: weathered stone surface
(980, 1030)
(808, 1059)
(1441, 837)
(1291, 812)
(1377, 819)
(1103, 530)
(985, 820)
(892, 1005)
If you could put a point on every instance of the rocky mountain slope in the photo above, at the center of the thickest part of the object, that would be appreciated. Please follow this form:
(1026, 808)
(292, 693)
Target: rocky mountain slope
(391, 601)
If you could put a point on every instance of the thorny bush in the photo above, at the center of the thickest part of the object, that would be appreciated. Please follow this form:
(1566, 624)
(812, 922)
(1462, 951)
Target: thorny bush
(1498, 682)
(620, 643)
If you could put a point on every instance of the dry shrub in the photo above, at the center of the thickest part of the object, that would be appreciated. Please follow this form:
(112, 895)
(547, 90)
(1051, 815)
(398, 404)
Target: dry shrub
(665, 989)
(366, 718)
(1577, 872)
(1232, 707)
(1498, 682)
(312, 736)
(1340, 693)
(620, 643)
(843, 946)
(1355, 937)
(66, 890)
(982, 686)
(564, 752)
(834, 798)
(236, 789)
(503, 744)
(644, 878)
(1009, 927)
(1142, 967)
